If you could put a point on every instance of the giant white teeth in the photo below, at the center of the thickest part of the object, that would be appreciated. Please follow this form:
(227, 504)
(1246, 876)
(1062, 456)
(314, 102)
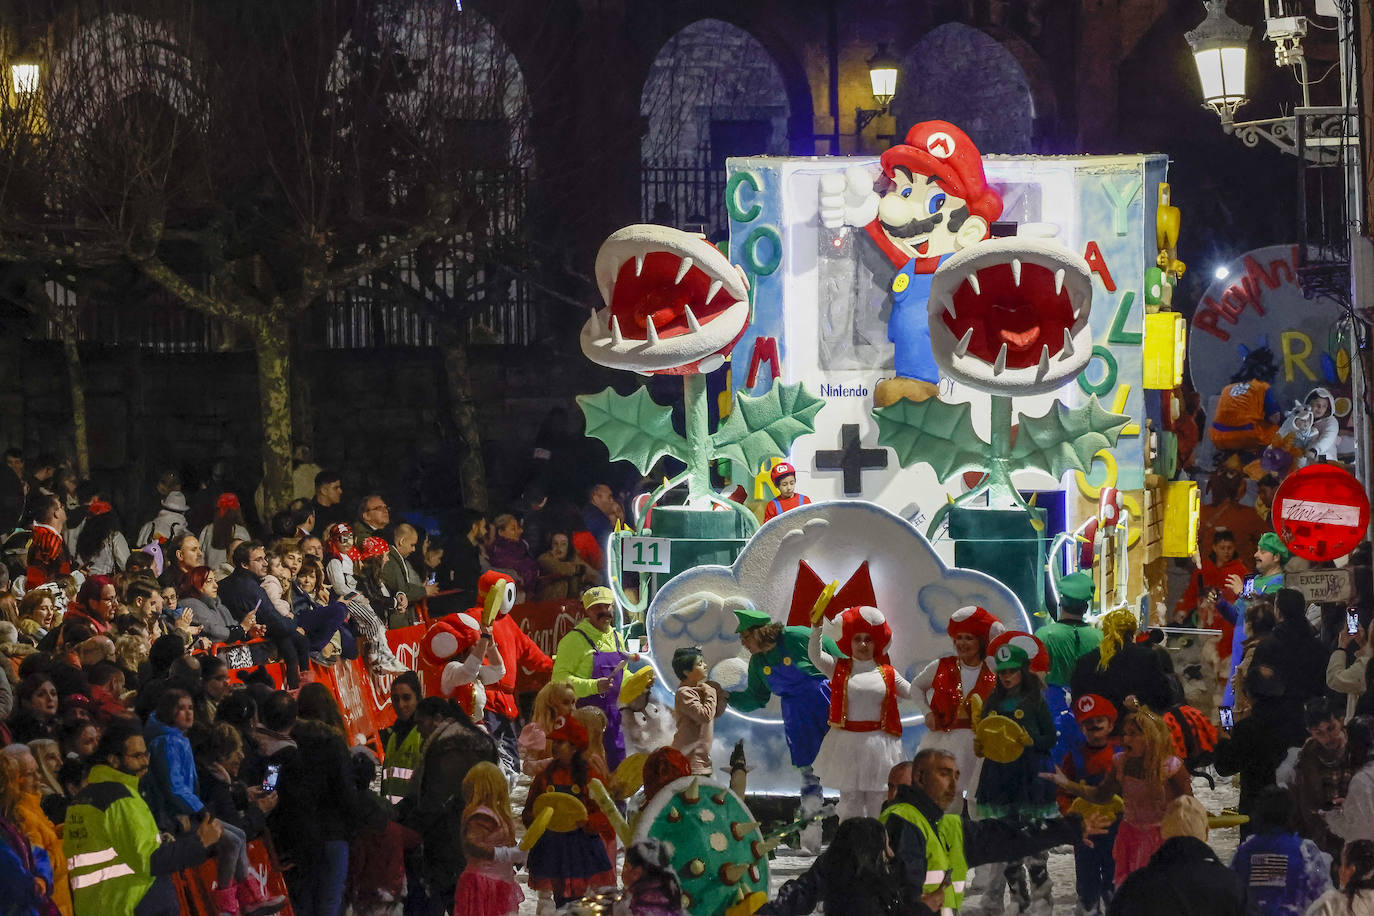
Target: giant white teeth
(1059, 281)
(972, 280)
(949, 307)
(639, 263)
(692, 323)
(1016, 271)
(1044, 358)
(682, 269)
(616, 338)
(1068, 343)
(962, 347)
(1001, 365)
(711, 292)
(596, 321)
(651, 331)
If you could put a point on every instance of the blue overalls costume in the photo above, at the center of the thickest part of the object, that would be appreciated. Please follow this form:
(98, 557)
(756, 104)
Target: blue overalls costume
(908, 327)
(608, 665)
(786, 670)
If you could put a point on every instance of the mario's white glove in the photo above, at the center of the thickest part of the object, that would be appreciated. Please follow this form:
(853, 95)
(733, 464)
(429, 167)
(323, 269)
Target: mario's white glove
(848, 199)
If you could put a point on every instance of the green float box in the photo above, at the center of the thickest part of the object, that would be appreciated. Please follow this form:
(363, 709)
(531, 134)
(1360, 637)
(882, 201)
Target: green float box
(1004, 544)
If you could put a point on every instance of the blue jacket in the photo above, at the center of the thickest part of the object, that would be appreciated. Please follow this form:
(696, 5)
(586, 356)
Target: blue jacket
(171, 784)
(242, 592)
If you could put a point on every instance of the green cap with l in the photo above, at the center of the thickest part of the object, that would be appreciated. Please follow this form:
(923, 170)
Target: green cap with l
(750, 618)
(1274, 544)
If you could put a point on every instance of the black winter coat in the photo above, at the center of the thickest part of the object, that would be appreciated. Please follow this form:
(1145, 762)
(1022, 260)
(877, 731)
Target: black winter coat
(1137, 669)
(1184, 878)
(1258, 744)
(318, 800)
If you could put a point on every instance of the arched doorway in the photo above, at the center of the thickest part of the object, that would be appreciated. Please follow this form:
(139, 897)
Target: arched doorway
(963, 75)
(713, 91)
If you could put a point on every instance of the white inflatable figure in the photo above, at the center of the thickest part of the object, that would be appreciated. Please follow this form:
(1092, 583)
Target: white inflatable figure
(647, 729)
(1312, 426)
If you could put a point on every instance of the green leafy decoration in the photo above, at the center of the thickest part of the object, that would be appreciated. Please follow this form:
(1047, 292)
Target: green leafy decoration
(634, 427)
(1066, 438)
(933, 432)
(766, 426)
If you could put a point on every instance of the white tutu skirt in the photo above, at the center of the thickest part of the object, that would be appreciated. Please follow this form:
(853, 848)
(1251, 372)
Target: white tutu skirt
(959, 742)
(857, 761)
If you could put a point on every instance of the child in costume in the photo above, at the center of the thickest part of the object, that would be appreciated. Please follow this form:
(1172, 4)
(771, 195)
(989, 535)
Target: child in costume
(594, 721)
(343, 556)
(696, 706)
(458, 658)
(1284, 873)
(784, 477)
(1011, 788)
(555, 700)
(564, 865)
(1091, 763)
(1148, 777)
(487, 885)
(945, 685)
(865, 738)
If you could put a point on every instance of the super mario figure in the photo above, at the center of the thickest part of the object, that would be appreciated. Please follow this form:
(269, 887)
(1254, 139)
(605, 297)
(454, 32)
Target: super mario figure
(939, 203)
(784, 478)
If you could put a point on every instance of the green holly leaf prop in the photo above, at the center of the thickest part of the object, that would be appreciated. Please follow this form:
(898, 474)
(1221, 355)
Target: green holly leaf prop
(1066, 438)
(634, 427)
(933, 432)
(766, 426)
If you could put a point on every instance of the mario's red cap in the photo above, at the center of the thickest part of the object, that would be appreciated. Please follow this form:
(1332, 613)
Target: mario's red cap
(940, 149)
(781, 470)
(570, 730)
(1092, 706)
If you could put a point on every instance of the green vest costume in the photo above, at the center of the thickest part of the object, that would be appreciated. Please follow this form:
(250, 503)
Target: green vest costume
(401, 760)
(109, 839)
(944, 852)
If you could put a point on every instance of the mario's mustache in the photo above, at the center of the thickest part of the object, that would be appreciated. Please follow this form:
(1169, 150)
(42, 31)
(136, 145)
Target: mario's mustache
(914, 227)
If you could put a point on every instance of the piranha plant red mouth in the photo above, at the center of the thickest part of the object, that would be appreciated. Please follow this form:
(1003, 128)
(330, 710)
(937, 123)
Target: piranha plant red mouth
(1011, 315)
(674, 303)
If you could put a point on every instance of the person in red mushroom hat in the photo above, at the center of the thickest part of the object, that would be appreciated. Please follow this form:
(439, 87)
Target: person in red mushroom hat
(944, 687)
(785, 479)
(939, 203)
(865, 738)
(519, 653)
(458, 658)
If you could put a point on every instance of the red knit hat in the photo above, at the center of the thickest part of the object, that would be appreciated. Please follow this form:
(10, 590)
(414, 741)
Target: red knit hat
(865, 619)
(975, 621)
(570, 730)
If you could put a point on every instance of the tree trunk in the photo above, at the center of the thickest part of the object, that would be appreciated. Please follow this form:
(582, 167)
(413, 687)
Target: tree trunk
(272, 343)
(76, 385)
(471, 469)
(302, 394)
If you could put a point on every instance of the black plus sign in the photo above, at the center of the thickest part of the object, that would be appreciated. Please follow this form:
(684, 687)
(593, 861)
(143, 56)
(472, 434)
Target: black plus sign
(852, 458)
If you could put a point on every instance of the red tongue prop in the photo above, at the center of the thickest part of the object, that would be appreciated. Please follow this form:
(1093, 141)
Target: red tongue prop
(1025, 316)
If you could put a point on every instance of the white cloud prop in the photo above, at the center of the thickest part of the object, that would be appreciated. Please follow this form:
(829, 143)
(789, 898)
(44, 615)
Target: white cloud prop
(913, 587)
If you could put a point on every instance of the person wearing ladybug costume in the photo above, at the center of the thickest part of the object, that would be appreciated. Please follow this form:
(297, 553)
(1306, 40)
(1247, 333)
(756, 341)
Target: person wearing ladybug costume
(519, 655)
(458, 658)
(865, 738)
(784, 478)
(939, 203)
(343, 561)
(945, 686)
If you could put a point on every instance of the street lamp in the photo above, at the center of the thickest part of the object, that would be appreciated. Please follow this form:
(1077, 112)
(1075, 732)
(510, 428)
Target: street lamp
(882, 76)
(1219, 51)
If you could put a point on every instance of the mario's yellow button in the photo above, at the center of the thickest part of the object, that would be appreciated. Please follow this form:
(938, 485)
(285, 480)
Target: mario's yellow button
(900, 283)
(767, 670)
(786, 660)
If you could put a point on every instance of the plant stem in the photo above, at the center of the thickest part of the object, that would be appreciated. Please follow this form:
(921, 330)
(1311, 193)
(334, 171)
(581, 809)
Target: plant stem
(698, 429)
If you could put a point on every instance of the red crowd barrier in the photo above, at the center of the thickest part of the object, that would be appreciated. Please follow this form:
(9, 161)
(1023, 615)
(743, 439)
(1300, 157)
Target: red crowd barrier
(195, 887)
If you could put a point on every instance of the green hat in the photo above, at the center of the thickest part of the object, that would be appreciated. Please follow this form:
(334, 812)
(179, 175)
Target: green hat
(750, 618)
(1010, 656)
(1271, 542)
(1078, 586)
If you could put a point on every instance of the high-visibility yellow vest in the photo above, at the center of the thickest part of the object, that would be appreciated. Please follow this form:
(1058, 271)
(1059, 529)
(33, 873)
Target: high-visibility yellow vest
(108, 839)
(399, 765)
(944, 852)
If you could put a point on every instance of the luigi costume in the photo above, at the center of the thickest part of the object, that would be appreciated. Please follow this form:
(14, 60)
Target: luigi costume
(786, 670)
(1067, 640)
(1235, 613)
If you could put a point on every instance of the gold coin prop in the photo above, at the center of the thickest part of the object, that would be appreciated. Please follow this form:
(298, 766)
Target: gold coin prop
(568, 811)
(1002, 739)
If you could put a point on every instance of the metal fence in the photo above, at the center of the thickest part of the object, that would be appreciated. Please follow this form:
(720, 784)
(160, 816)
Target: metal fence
(690, 197)
(479, 282)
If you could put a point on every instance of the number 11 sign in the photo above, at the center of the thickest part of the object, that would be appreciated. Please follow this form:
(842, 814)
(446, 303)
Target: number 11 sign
(646, 555)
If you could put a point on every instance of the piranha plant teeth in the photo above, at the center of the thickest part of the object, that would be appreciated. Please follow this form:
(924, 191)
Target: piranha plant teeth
(713, 289)
(692, 324)
(639, 264)
(972, 281)
(685, 266)
(616, 338)
(1059, 281)
(961, 348)
(651, 332)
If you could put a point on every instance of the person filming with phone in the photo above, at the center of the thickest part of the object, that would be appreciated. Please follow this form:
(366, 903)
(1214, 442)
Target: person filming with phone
(1270, 557)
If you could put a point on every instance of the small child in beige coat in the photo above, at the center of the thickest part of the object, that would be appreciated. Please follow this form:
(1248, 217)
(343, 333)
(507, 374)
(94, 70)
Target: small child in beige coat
(696, 706)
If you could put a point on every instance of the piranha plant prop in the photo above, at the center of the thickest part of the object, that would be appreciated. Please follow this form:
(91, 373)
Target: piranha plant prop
(676, 306)
(1008, 316)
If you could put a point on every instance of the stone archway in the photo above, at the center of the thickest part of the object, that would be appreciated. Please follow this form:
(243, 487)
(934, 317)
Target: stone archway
(964, 75)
